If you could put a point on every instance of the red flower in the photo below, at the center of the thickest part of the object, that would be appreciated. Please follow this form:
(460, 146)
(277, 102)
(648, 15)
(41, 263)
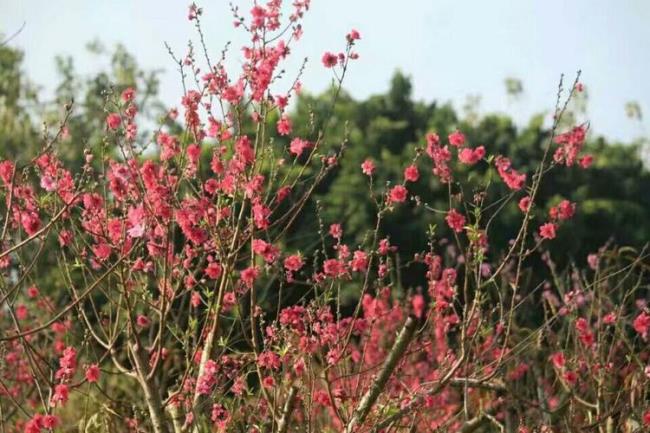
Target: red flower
(360, 261)
(558, 360)
(418, 305)
(524, 204)
(298, 146)
(455, 220)
(113, 121)
(471, 156)
(586, 161)
(509, 175)
(128, 94)
(293, 263)
(50, 421)
(336, 231)
(547, 231)
(92, 373)
(411, 173)
(213, 270)
(368, 167)
(642, 324)
(32, 292)
(195, 299)
(142, 321)
(456, 138)
(60, 395)
(329, 60)
(398, 194)
(249, 275)
(564, 211)
(269, 360)
(284, 125)
(571, 377)
(21, 312)
(268, 382)
(571, 144)
(333, 268)
(353, 35)
(268, 252)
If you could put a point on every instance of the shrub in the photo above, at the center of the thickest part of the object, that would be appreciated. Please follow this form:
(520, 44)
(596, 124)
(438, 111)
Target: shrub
(184, 308)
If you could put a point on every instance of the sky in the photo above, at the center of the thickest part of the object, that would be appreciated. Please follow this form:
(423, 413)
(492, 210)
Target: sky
(449, 48)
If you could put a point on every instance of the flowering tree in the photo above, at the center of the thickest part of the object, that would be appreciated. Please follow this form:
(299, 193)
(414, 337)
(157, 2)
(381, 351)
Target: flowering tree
(183, 308)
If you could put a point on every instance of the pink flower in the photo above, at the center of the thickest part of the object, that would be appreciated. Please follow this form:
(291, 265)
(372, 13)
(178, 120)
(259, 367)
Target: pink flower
(220, 416)
(128, 94)
(113, 121)
(92, 373)
(268, 382)
(298, 146)
(398, 194)
(368, 167)
(509, 175)
(207, 380)
(359, 263)
(21, 312)
(333, 268)
(563, 211)
(411, 173)
(266, 250)
(283, 193)
(293, 263)
(471, 156)
(329, 60)
(455, 220)
(418, 305)
(440, 156)
(213, 270)
(261, 215)
(32, 292)
(571, 377)
(67, 363)
(142, 321)
(50, 421)
(299, 367)
(558, 360)
(6, 171)
(524, 204)
(270, 360)
(456, 138)
(353, 35)
(61, 395)
(586, 161)
(547, 231)
(195, 299)
(571, 144)
(642, 324)
(249, 275)
(284, 125)
(609, 318)
(336, 231)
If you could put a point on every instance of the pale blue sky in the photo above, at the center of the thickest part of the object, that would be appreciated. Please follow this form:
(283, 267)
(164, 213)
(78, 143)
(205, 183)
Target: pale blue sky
(450, 48)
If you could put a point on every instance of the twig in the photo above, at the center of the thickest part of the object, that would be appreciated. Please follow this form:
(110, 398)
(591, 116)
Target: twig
(369, 399)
